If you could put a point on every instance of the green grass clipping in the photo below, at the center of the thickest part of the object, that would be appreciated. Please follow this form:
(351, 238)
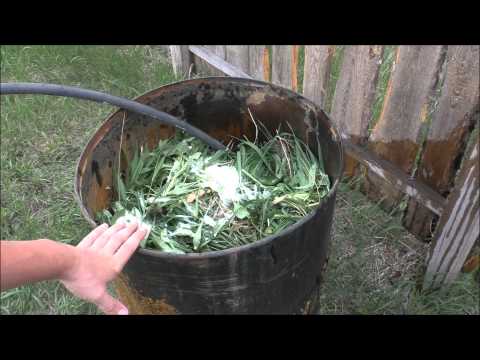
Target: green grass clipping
(198, 200)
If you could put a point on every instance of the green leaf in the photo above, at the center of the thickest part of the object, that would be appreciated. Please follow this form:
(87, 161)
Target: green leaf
(118, 215)
(159, 181)
(104, 216)
(197, 237)
(209, 221)
(191, 209)
(143, 243)
(260, 153)
(240, 211)
(219, 226)
(183, 232)
(195, 156)
(122, 191)
(117, 206)
(142, 203)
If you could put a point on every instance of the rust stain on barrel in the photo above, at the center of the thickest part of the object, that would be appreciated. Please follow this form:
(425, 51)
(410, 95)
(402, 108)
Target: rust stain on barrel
(138, 304)
(100, 195)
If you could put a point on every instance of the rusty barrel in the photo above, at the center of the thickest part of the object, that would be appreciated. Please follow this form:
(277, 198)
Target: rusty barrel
(280, 274)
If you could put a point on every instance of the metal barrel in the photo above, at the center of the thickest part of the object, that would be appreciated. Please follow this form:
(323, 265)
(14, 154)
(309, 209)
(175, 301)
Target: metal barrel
(280, 274)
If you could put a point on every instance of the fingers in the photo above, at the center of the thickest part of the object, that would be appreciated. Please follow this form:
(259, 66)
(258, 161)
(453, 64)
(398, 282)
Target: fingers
(126, 250)
(117, 239)
(102, 239)
(110, 305)
(92, 236)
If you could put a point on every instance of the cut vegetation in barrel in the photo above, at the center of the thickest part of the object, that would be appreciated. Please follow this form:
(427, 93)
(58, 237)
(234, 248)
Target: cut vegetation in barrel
(242, 231)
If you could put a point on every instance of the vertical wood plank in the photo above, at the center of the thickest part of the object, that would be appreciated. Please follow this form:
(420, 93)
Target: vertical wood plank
(256, 62)
(395, 137)
(316, 72)
(203, 68)
(294, 72)
(238, 56)
(450, 126)
(266, 64)
(354, 95)
(181, 60)
(451, 121)
(282, 65)
(218, 50)
(459, 226)
(216, 62)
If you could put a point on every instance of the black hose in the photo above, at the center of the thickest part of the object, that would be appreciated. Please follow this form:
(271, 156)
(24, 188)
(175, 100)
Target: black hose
(97, 96)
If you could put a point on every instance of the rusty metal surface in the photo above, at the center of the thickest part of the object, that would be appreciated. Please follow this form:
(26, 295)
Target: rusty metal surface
(277, 274)
(138, 304)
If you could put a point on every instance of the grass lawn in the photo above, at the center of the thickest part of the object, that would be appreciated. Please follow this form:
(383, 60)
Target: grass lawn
(374, 264)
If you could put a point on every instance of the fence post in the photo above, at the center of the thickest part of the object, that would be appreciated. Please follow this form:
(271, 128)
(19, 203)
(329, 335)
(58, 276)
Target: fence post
(237, 55)
(446, 139)
(257, 64)
(354, 95)
(282, 65)
(459, 226)
(181, 59)
(396, 135)
(316, 72)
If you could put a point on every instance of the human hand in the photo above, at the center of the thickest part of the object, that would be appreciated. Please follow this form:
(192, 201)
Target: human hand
(99, 258)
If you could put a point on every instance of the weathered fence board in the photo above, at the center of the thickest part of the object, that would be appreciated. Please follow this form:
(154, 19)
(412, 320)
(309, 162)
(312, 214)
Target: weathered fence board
(202, 67)
(395, 137)
(238, 56)
(181, 60)
(317, 72)
(282, 65)
(459, 225)
(294, 73)
(392, 175)
(389, 173)
(451, 121)
(266, 65)
(354, 95)
(217, 61)
(220, 51)
(394, 145)
(458, 103)
(257, 62)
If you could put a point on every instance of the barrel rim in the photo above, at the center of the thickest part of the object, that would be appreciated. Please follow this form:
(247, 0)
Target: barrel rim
(235, 250)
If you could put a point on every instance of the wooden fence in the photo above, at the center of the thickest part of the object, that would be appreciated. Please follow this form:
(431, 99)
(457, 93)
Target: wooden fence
(406, 115)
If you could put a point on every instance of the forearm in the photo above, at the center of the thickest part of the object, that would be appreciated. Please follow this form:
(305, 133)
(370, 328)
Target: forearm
(30, 261)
